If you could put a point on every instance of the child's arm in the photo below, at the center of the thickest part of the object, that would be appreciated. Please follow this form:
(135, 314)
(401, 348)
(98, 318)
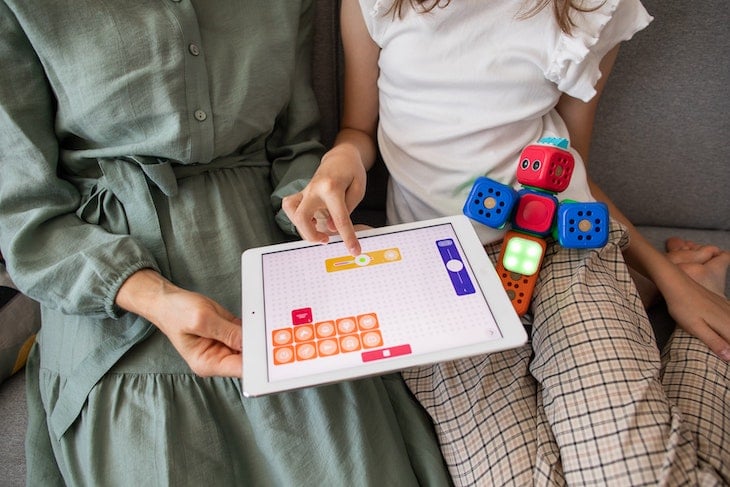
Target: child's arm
(701, 312)
(339, 183)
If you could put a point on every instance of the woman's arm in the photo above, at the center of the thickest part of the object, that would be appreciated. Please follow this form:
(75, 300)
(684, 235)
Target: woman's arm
(54, 256)
(70, 264)
(206, 335)
(696, 309)
(339, 183)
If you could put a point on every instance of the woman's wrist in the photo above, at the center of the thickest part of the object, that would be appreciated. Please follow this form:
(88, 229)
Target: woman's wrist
(141, 293)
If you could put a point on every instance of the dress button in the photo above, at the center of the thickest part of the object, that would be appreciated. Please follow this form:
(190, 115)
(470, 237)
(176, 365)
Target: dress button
(194, 49)
(200, 115)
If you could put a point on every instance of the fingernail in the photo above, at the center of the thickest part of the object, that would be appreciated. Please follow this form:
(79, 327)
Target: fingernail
(725, 354)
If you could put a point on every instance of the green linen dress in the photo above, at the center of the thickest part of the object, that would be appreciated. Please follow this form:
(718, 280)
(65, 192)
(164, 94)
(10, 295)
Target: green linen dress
(163, 134)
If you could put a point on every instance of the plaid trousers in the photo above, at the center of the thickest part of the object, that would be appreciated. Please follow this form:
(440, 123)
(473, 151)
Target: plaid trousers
(589, 401)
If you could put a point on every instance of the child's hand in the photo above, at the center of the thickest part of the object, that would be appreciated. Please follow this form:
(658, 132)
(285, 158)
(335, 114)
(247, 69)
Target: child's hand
(323, 207)
(702, 313)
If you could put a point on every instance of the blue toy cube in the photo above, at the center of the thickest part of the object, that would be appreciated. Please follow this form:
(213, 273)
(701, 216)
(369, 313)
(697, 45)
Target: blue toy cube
(582, 225)
(490, 202)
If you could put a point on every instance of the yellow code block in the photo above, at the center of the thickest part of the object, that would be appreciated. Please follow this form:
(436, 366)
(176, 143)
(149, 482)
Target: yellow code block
(375, 257)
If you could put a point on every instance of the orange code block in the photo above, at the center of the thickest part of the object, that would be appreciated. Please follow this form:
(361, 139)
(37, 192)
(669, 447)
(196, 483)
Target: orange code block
(326, 338)
(372, 339)
(325, 329)
(350, 343)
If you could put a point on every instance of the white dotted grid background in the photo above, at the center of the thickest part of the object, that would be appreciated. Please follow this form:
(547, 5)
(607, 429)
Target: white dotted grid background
(413, 298)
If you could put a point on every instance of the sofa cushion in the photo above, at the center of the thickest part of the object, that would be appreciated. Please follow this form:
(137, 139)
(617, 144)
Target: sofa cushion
(14, 422)
(661, 137)
(19, 322)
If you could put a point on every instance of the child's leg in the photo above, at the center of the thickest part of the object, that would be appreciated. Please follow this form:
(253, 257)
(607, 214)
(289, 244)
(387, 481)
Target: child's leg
(647, 290)
(485, 411)
(598, 365)
(697, 381)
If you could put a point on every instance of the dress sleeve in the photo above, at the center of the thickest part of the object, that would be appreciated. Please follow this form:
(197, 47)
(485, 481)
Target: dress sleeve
(574, 65)
(52, 255)
(294, 147)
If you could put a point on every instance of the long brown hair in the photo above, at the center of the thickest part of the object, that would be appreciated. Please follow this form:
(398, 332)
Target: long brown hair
(561, 9)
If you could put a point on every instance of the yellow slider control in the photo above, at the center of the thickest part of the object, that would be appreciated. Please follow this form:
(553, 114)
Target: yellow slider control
(365, 259)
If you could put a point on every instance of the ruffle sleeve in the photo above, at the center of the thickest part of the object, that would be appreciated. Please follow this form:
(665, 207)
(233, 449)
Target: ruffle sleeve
(377, 18)
(574, 66)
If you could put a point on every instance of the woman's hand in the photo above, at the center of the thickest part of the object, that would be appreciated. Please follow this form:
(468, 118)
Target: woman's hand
(207, 336)
(323, 207)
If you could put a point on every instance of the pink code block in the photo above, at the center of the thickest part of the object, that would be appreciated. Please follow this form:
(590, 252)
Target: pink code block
(384, 353)
(301, 316)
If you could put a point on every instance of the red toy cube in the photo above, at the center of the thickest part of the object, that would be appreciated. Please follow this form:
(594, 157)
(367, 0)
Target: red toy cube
(535, 212)
(546, 167)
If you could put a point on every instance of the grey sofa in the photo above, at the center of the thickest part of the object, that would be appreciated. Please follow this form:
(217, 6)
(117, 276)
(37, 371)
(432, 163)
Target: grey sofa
(661, 148)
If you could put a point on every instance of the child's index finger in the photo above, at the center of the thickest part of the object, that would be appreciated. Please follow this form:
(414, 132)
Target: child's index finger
(339, 217)
(346, 230)
(350, 240)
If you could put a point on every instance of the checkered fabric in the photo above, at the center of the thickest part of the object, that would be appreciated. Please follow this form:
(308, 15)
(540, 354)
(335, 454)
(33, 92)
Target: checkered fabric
(588, 401)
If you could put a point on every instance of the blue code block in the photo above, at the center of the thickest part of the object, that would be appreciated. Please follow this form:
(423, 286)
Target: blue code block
(455, 267)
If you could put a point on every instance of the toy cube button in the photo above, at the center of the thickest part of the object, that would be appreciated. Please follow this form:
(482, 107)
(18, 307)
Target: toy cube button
(490, 203)
(582, 225)
(535, 212)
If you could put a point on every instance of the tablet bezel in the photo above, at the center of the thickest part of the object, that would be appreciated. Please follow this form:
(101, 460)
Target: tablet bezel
(255, 347)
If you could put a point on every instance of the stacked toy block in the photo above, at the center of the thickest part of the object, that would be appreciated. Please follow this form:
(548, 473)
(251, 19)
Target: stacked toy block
(534, 212)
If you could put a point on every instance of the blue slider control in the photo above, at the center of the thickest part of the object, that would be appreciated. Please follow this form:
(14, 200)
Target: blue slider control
(455, 267)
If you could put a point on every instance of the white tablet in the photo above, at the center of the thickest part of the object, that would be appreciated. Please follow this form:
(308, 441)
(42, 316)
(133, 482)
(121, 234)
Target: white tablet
(419, 293)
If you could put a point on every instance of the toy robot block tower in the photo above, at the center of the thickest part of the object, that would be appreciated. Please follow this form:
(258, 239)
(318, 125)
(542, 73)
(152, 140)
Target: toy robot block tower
(535, 213)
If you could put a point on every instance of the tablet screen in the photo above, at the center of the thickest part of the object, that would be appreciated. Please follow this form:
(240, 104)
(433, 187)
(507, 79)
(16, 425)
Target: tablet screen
(409, 293)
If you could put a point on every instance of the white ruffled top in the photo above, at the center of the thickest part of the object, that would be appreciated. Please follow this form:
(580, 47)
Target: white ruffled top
(464, 88)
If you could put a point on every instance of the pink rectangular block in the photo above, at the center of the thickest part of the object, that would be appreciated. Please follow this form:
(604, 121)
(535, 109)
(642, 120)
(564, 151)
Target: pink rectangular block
(384, 353)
